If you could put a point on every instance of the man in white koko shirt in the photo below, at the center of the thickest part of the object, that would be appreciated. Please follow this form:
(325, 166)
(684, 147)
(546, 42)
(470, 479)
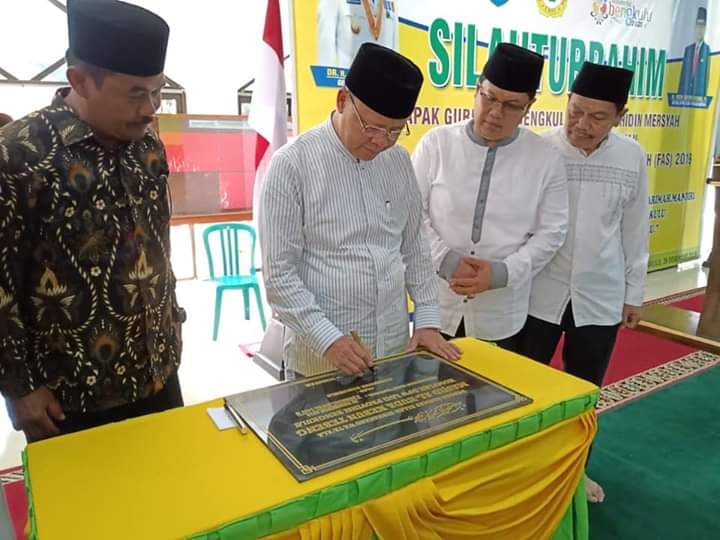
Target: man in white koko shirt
(595, 282)
(495, 203)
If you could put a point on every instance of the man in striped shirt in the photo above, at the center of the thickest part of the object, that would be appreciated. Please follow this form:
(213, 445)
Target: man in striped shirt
(340, 228)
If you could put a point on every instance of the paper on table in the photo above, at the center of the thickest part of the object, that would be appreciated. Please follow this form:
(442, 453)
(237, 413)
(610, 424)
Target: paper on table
(221, 418)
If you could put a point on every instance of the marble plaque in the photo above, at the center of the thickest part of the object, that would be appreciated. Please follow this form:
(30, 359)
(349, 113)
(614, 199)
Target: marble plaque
(318, 424)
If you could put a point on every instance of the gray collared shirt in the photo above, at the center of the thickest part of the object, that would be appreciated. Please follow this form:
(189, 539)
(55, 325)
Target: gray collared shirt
(498, 272)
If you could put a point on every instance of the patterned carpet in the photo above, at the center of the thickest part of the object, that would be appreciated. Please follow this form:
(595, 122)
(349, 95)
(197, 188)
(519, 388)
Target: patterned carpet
(641, 384)
(622, 391)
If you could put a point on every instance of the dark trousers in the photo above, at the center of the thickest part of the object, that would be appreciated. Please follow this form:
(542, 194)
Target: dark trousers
(586, 351)
(167, 398)
(511, 343)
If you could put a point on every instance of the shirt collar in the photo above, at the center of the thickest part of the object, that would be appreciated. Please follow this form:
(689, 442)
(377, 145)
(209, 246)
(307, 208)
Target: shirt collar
(71, 128)
(483, 142)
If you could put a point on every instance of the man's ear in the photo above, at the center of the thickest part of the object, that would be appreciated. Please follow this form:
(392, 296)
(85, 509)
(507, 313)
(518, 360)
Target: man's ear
(80, 81)
(341, 100)
(620, 116)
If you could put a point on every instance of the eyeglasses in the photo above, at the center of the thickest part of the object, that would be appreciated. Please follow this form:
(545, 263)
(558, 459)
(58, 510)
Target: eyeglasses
(505, 106)
(377, 131)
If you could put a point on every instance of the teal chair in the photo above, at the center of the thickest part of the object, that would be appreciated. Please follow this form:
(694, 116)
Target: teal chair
(232, 276)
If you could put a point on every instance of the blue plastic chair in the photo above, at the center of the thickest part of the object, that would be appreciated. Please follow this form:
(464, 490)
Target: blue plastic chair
(231, 277)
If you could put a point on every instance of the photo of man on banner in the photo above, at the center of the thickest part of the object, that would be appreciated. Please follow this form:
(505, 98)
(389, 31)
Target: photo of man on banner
(696, 60)
(344, 25)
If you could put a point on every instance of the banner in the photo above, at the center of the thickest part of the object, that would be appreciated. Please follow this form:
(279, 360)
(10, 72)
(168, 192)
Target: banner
(672, 46)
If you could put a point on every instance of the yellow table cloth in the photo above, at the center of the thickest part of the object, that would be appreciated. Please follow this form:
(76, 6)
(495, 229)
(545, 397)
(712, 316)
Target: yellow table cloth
(175, 475)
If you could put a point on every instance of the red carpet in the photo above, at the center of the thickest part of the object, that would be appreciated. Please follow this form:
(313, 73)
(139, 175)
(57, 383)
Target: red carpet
(693, 304)
(636, 352)
(13, 487)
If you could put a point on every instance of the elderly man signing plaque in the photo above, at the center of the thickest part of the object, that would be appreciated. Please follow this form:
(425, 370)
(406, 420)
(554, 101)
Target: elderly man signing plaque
(340, 228)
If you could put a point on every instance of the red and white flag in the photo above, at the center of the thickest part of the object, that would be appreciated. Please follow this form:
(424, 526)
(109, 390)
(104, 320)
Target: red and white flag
(268, 108)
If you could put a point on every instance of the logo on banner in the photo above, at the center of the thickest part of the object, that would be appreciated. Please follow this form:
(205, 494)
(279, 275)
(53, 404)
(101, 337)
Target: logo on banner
(624, 12)
(600, 11)
(552, 8)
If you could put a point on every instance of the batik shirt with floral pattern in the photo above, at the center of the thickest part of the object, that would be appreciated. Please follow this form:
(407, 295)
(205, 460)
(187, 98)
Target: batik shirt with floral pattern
(87, 294)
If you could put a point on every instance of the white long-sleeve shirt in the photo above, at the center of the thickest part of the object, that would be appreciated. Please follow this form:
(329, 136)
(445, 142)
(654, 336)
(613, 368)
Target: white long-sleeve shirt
(341, 242)
(603, 263)
(506, 204)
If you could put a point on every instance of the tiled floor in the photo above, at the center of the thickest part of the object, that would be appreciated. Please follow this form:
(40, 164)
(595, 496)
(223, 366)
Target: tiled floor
(213, 369)
(667, 282)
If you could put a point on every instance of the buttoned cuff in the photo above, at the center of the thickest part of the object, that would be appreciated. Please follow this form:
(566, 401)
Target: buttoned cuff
(449, 264)
(323, 335)
(498, 275)
(427, 317)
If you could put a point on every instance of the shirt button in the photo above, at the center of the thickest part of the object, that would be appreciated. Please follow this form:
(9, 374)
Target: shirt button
(472, 253)
(465, 301)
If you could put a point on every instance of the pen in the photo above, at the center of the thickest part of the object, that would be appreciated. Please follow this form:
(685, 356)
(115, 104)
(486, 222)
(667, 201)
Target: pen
(357, 340)
(236, 418)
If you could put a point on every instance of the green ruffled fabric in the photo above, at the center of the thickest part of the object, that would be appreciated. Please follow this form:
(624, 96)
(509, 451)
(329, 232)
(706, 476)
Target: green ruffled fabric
(31, 504)
(574, 524)
(397, 475)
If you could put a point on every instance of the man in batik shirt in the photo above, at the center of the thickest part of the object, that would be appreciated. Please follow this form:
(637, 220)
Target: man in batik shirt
(89, 322)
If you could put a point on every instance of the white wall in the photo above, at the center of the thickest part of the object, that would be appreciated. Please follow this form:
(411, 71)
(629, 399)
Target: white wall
(17, 100)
